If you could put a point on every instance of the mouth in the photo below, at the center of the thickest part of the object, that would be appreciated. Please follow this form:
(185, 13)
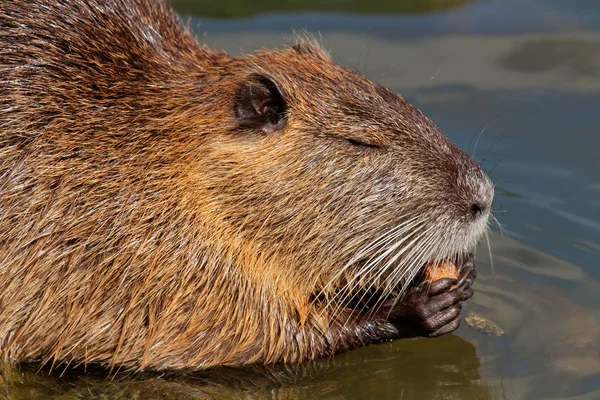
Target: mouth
(434, 270)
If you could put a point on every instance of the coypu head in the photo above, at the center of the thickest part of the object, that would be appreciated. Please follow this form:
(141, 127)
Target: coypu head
(339, 182)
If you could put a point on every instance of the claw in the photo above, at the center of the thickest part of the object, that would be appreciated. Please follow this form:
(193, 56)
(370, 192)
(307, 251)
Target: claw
(430, 309)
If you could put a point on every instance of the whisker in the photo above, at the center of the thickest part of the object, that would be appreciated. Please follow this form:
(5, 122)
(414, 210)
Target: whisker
(352, 283)
(481, 131)
(411, 268)
(394, 231)
(487, 240)
(416, 257)
(492, 147)
(366, 270)
(502, 231)
(416, 262)
(498, 163)
(391, 234)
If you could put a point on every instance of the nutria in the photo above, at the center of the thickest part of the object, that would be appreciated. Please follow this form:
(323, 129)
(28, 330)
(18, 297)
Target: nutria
(164, 205)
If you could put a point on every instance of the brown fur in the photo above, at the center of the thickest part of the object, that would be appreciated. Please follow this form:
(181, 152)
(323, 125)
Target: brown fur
(142, 226)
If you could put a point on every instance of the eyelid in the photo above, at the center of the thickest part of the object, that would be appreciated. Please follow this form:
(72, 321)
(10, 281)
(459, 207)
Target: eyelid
(360, 143)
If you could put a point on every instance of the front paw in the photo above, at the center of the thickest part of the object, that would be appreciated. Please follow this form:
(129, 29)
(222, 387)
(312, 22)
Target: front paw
(431, 310)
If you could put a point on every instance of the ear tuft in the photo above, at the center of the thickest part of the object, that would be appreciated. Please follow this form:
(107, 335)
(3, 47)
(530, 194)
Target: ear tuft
(308, 44)
(260, 104)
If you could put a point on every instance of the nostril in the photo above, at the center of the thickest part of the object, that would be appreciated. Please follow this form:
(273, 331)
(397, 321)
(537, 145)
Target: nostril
(477, 209)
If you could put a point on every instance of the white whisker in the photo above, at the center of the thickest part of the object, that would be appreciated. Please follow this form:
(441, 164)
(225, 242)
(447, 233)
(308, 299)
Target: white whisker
(487, 240)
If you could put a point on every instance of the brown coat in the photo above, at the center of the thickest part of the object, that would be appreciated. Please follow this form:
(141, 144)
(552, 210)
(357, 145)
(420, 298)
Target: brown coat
(164, 205)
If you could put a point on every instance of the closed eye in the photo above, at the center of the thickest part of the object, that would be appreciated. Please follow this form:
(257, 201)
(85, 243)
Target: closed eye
(358, 143)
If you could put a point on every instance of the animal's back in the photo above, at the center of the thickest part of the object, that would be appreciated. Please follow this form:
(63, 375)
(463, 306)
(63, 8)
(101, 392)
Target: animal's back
(91, 214)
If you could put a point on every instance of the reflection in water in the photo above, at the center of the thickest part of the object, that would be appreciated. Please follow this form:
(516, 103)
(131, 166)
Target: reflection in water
(446, 368)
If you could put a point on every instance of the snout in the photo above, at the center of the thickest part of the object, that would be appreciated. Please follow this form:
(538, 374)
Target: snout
(483, 195)
(475, 190)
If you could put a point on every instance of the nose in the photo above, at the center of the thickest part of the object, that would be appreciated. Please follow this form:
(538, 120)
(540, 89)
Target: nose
(478, 209)
(481, 207)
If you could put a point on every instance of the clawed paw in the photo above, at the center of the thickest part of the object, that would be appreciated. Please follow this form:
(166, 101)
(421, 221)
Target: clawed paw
(431, 310)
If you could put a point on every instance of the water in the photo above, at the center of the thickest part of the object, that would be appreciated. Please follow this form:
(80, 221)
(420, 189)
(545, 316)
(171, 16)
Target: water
(521, 80)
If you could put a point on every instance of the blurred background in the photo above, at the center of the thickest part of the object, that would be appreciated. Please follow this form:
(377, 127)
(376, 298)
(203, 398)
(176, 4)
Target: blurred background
(517, 84)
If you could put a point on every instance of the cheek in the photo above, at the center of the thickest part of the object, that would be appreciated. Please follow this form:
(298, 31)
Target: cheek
(289, 183)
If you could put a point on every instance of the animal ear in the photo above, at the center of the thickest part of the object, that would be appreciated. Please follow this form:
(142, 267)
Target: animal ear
(260, 104)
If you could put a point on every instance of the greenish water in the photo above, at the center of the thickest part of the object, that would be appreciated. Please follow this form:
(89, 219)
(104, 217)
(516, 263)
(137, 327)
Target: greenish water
(521, 79)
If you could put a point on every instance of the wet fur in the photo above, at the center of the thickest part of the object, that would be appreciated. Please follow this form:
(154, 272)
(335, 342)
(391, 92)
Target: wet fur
(142, 226)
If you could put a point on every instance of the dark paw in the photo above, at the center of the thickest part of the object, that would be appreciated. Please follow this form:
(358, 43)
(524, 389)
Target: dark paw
(431, 310)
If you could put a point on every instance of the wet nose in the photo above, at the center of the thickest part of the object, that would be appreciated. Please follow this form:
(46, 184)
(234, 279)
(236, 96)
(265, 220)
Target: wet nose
(478, 209)
(482, 206)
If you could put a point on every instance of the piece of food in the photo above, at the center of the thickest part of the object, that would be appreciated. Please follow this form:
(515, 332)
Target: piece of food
(483, 325)
(441, 269)
(437, 270)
